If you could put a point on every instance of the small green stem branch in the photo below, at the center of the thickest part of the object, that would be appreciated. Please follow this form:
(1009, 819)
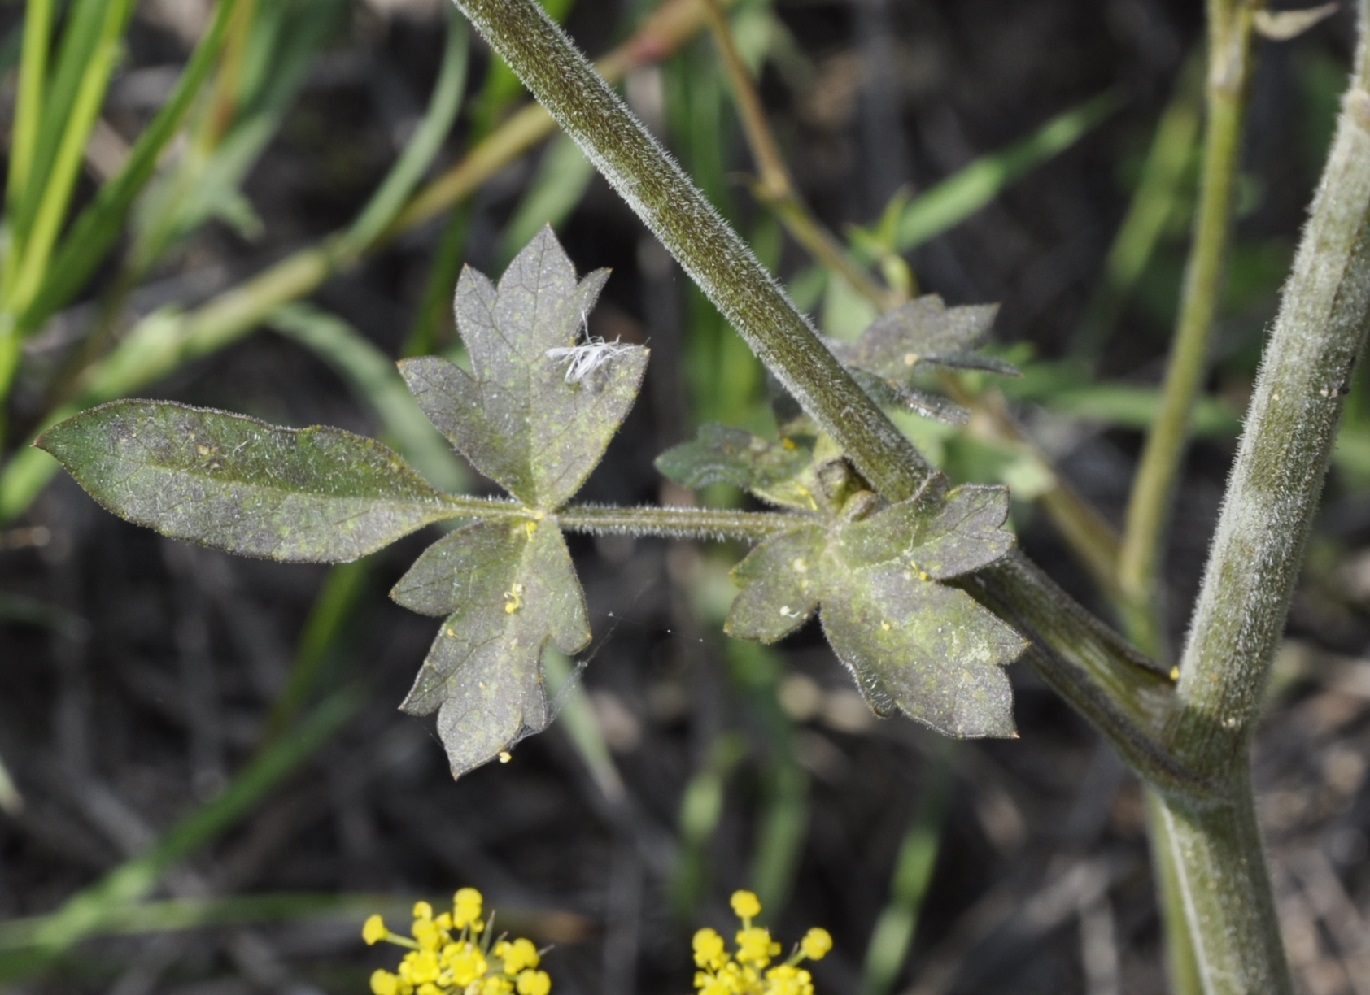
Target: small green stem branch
(666, 523)
(1119, 690)
(675, 523)
(1262, 529)
(1153, 490)
(1090, 663)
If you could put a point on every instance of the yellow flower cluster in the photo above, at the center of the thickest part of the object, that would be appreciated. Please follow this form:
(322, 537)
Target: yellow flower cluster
(453, 954)
(749, 970)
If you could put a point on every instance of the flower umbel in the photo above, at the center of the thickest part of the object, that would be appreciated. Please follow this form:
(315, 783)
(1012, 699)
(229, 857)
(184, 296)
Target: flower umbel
(749, 970)
(452, 954)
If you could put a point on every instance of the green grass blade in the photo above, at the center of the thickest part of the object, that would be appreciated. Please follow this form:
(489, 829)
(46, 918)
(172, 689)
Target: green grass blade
(701, 810)
(101, 223)
(81, 28)
(27, 117)
(756, 671)
(975, 185)
(10, 799)
(434, 312)
(320, 647)
(577, 719)
(418, 155)
(95, 908)
(283, 43)
(1156, 199)
(898, 922)
(60, 180)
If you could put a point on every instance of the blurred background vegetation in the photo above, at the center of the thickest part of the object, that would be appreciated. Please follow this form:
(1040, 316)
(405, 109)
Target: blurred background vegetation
(204, 785)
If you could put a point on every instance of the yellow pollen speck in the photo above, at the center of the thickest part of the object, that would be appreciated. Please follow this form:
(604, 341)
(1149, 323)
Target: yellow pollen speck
(451, 632)
(910, 358)
(202, 449)
(885, 626)
(505, 756)
(1174, 673)
(513, 599)
(787, 443)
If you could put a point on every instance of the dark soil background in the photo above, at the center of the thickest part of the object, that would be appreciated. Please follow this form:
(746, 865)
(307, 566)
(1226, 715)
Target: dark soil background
(147, 680)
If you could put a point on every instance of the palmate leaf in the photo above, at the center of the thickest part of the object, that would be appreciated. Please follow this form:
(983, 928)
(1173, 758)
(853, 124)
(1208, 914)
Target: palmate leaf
(536, 412)
(509, 590)
(318, 495)
(913, 644)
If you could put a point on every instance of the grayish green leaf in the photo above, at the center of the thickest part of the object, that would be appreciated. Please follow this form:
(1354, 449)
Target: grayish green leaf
(510, 590)
(914, 645)
(537, 410)
(317, 495)
(779, 472)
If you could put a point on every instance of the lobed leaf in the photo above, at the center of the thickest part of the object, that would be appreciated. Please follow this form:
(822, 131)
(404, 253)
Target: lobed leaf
(914, 645)
(318, 495)
(510, 589)
(537, 411)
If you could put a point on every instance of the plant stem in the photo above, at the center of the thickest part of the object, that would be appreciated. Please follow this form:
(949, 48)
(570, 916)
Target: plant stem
(676, 523)
(1278, 474)
(1265, 519)
(1153, 489)
(1091, 662)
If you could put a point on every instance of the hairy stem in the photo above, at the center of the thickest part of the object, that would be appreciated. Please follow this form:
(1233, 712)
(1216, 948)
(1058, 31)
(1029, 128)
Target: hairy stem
(1215, 850)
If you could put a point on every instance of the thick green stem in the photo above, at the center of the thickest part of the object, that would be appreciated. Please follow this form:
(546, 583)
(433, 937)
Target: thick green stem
(1278, 475)
(1215, 850)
